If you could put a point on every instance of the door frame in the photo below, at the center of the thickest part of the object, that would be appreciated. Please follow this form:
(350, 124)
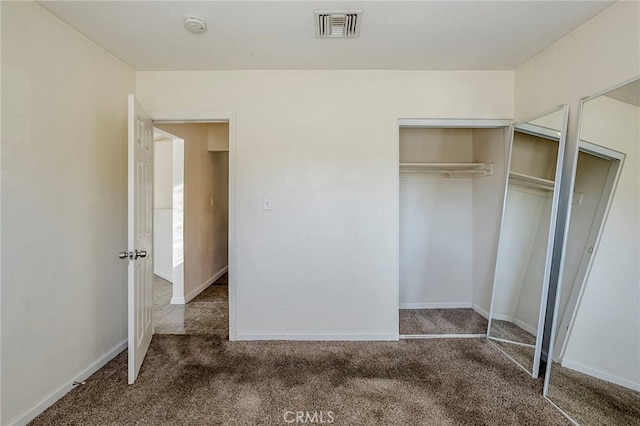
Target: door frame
(568, 317)
(217, 117)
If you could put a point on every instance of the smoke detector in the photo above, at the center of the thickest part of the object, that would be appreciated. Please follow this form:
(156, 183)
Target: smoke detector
(338, 24)
(195, 24)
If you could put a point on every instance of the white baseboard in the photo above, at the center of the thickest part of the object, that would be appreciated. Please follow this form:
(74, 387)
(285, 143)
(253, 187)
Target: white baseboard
(526, 327)
(503, 317)
(164, 275)
(443, 305)
(178, 301)
(479, 310)
(580, 368)
(350, 337)
(202, 287)
(64, 389)
(441, 336)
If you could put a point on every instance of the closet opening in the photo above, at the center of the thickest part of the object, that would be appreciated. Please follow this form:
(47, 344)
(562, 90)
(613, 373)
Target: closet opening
(452, 177)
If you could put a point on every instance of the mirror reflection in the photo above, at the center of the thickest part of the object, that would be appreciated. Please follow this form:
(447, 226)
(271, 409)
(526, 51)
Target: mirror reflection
(595, 374)
(523, 262)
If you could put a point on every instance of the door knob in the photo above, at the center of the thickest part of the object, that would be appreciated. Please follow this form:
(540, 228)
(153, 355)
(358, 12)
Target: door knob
(132, 255)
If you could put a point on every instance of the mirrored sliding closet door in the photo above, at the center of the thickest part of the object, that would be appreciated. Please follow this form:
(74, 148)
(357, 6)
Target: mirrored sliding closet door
(595, 374)
(526, 237)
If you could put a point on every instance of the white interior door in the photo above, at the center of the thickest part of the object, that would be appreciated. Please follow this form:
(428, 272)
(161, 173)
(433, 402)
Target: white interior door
(140, 235)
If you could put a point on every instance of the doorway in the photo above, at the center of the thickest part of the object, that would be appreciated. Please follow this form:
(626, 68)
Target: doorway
(596, 175)
(191, 222)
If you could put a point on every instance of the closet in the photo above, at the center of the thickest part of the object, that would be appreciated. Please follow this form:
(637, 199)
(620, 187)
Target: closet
(452, 182)
(521, 273)
(523, 266)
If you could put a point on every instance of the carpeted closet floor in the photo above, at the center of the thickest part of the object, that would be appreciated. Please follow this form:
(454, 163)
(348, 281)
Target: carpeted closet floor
(206, 380)
(441, 321)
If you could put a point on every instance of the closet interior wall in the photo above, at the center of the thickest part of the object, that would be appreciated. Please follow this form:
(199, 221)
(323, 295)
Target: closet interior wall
(449, 222)
(526, 225)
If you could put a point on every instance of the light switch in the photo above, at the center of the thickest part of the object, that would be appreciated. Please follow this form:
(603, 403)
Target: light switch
(211, 201)
(266, 203)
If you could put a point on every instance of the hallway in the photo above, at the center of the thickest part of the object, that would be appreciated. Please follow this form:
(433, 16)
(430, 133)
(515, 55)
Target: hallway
(207, 313)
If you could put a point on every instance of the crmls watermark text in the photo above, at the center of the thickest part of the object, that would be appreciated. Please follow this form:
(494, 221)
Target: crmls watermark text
(309, 417)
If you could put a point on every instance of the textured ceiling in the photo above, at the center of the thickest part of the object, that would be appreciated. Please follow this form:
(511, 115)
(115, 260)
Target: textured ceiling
(411, 35)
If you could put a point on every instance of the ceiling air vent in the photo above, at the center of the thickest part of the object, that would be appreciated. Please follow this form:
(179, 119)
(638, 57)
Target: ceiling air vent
(342, 24)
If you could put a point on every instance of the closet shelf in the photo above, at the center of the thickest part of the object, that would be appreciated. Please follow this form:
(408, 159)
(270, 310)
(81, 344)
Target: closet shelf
(531, 181)
(447, 170)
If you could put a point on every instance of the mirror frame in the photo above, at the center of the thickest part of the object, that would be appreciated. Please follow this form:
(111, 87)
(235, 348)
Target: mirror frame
(562, 138)
(565, 233)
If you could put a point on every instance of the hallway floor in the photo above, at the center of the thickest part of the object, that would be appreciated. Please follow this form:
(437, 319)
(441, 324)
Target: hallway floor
(207, 313)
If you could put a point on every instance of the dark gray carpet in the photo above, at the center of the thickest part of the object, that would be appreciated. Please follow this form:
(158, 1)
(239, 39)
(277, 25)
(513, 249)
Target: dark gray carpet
(510, 331)
(204, 380)
(441, 321)
(591, 401)
(522, 354)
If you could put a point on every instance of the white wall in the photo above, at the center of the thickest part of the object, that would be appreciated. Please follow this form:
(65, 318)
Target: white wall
(591, 176)
(163, 173)
(489, 145)
(324, 146)
(436, 262)
(602, 53)
(605, 336)
(163, 208)
(178, 222)
(221, 207)
(218, 137)
(527, 310)
(64, 185)
(163, 243)
(599, 54)
(424, 145)
(523, 213)
(534, 156)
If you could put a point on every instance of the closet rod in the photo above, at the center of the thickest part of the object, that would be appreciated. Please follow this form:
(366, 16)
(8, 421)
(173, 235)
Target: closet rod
(532, 181)
(447, 169)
